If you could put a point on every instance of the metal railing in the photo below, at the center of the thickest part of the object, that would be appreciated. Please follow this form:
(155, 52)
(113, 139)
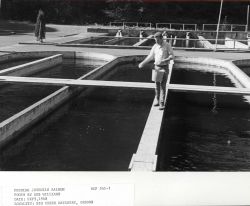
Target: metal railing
(131, 24)
(176, 26)
(225, 27)
(180, 26)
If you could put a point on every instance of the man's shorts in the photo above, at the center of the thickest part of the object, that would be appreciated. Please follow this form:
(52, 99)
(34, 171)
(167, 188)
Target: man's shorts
(158, 72)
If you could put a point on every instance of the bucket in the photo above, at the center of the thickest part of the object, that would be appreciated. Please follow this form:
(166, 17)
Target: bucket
(157, 75)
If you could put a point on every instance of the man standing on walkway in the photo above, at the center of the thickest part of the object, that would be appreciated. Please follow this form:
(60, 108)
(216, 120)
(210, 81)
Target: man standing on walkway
(162, 53)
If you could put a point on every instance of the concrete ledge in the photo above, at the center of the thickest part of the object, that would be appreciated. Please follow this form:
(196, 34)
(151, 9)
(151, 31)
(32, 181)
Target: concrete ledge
(145, 158)
(231, 43)
(26, 55)
(143, 162)
(94, 56)
(65, 54)
(34, 66)
(34, 54)
(74, 82)
(22, 120)
(243, 63)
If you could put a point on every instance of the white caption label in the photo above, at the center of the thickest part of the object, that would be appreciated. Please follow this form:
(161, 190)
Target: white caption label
(87, 195)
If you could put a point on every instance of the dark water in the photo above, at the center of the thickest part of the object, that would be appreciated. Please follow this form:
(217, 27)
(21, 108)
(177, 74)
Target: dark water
(14, 63)
(205, 132)
(150, 42)
(70, 69)
(94, 40)
(16, 97)
(127, 41)
(194, 77)
(108, 41)
(99, 132)
(131, 73)
(245, 69)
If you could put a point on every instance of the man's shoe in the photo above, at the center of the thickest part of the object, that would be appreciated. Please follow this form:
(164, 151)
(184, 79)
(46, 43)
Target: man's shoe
(156, 104)
(161, 107)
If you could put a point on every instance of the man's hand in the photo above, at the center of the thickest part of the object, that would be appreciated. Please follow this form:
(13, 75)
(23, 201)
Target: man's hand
(164, 61)
(141, 65)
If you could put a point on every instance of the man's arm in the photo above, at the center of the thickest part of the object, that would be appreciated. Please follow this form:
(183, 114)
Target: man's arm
(147, 59)
(170, 56)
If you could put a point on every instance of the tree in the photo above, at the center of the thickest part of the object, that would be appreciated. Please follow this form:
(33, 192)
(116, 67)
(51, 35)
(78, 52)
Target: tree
(126, 10)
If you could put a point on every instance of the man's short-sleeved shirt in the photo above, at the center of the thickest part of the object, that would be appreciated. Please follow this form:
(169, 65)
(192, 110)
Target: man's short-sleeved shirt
(161, 52)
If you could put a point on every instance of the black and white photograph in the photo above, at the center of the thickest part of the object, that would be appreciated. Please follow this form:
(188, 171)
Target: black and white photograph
(159, 88)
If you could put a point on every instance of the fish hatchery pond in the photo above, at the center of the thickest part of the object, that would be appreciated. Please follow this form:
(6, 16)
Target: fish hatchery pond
(101, 129)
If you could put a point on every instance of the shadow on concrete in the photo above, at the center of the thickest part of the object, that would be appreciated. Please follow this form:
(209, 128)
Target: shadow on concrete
(8, 27)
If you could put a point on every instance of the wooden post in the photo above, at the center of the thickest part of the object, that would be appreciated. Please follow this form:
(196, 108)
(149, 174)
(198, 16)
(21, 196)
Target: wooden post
(0, 4)
(218, 26)
(247, 18)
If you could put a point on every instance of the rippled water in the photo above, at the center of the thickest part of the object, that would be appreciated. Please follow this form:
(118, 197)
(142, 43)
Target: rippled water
(205, 132)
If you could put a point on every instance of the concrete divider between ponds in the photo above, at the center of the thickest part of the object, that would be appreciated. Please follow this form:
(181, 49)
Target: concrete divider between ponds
(34, 66)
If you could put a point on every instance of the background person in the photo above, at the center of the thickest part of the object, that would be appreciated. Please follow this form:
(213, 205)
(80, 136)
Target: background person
(40, 26)
(162, 53)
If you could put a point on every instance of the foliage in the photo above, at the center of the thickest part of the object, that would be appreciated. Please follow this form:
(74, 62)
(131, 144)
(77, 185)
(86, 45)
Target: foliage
(104, 11)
